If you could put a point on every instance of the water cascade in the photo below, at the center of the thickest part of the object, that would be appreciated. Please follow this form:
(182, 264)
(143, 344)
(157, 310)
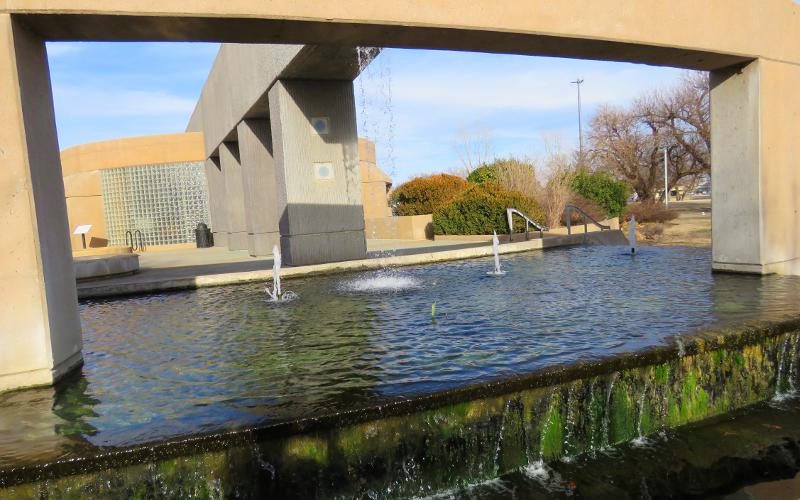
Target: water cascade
(496, 251)
(277, 294)
(408, 450)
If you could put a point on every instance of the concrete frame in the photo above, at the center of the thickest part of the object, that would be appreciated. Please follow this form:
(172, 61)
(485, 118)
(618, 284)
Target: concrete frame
(751, 47)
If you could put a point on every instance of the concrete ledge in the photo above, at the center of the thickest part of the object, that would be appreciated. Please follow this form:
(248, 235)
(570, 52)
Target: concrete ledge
(160, 285)
(92, 252)
(789, 267)
(39, 376)
(99, 266)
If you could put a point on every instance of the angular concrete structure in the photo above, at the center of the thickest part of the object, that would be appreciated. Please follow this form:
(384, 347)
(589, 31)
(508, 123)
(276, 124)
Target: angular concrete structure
(236, 222)
(316, 157)
(755, 148)
(289, 113)
(40, 332)
(259, 183)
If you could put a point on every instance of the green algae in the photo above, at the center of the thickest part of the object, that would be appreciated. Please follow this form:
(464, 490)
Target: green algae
(467, 440)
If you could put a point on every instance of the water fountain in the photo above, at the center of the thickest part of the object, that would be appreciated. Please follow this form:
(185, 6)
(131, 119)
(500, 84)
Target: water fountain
(632, 235)
(496, 251)
(277, 294)
(356, 389)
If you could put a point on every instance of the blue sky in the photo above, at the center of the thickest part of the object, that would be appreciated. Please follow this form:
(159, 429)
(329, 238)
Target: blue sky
(415, 104)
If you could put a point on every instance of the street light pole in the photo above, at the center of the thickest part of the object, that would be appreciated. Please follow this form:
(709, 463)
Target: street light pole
(578, 82)
(666, 188)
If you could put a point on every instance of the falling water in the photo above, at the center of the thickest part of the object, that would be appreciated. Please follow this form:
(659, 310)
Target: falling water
(792, 375)
(780, 381)
(538, 470)
(496, 251)
(377, 121)
(640, 438)
(632, 235)
(681, 347)
(570, 428)
(499, 446)
(592, 417)
(606, 437)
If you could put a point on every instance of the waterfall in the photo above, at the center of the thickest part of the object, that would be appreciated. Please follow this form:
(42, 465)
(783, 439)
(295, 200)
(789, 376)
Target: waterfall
(640, 438)
(606, 438)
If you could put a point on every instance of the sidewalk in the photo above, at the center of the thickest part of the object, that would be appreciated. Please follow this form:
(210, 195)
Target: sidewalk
(179, 267)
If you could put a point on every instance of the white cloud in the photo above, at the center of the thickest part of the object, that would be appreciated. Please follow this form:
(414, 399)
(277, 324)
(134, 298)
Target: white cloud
(530, 90)
(94, 102)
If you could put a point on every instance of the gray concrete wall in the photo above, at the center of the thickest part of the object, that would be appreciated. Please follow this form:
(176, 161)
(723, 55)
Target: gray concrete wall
(260, 190)
(755, 146)
(218, 212)
(321, 219)
(234, 196)
(736, 172)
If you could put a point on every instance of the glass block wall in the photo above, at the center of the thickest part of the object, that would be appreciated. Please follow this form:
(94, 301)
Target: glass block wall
(165, 202)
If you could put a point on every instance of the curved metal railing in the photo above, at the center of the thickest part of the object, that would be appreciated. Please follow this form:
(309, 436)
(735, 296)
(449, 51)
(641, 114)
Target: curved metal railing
(135, 240)
(567, 215)
(511, 212)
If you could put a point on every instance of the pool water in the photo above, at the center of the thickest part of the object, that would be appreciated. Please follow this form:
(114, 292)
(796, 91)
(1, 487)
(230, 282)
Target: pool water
(165, 365)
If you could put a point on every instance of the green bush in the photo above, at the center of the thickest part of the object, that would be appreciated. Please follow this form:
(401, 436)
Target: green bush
(423, 195)
(483, 174)
(481, 209)
(601, 188)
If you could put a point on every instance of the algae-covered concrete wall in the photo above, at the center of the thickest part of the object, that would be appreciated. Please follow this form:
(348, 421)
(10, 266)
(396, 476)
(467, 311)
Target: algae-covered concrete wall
(460, 437)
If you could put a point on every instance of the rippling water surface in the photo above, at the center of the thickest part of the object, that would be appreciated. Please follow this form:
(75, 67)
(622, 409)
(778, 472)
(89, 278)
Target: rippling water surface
(169, 364)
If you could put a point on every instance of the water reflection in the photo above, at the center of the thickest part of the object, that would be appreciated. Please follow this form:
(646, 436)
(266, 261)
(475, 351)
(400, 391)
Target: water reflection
(170, 364)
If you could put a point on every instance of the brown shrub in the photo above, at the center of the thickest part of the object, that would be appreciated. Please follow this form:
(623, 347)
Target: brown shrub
(593, 209)
(423, 195)
(650, 211)
(650, 231)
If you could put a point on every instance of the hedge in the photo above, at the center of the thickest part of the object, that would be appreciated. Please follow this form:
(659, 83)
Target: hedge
(481, 209)
(601, 188)
(423, 195)
(484, 173)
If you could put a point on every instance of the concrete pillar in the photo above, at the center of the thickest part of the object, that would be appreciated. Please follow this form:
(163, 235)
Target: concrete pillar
(755, 152)
(234, 195)
(317, 172)
(40, 331)
(218, 212)
(258, 180)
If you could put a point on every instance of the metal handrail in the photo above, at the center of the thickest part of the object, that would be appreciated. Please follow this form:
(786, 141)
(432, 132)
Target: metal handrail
(567, 214)
(511, 212)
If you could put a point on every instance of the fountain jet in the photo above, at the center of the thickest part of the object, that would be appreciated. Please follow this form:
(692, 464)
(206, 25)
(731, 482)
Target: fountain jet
(496, 250)
(276, 294)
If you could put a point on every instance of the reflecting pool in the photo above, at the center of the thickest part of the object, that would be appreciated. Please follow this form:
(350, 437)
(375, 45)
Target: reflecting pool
(172, 364)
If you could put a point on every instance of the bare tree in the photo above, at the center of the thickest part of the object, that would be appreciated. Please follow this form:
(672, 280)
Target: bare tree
(474, 148)
(519, 174)
(630, 142)
(558, 167)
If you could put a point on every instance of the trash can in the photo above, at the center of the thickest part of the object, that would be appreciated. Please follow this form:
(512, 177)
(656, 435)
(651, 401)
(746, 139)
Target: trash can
(203, 236)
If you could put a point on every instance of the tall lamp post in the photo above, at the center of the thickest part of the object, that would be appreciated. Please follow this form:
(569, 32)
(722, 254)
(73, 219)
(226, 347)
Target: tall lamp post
(578, 82)
(666, 188)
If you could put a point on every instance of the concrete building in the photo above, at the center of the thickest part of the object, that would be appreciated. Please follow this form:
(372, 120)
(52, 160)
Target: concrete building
(157, 185)
(751, 48)
(154, 184)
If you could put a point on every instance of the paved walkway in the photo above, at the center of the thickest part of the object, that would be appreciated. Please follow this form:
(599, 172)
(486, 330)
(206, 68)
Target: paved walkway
(169, 265)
